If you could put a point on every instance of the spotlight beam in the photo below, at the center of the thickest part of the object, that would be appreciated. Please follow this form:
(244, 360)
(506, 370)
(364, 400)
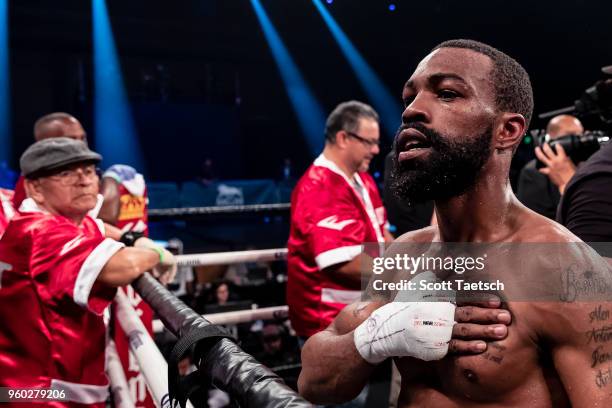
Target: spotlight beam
(115, 133)
(388, 107)
(308, 111)
(5, 86)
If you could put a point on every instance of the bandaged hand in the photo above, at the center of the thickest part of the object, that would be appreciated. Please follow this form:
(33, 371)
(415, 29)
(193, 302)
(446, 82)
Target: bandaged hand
(165, 270)
(413, 325)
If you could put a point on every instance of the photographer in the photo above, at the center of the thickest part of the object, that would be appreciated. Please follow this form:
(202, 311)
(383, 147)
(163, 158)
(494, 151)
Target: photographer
(585, 207)
(541, 189)
(586, 204)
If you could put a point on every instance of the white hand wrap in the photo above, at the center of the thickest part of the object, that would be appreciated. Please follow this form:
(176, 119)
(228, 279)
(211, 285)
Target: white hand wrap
(415, 328)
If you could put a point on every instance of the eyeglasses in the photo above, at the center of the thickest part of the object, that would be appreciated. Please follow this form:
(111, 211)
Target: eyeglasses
(368, 142)
(71, 176)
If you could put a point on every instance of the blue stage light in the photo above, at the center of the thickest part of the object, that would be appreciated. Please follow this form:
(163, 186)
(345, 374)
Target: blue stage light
(115, 132)
(5, 86)
(308, 111)
(388, 107)
(392, 7)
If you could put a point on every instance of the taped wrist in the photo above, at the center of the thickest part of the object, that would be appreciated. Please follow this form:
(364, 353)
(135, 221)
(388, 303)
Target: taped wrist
(130, 237)
(406, 329)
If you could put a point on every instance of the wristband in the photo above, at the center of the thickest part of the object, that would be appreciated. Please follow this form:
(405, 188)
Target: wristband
(160, 252)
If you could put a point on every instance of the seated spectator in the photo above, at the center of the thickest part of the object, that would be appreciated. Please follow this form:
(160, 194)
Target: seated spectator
(275, 350)
(221, 292)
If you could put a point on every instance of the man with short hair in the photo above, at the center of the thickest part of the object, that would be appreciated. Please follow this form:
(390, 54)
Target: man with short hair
(57, 124)
(467, 107)
(335, 207)
(59, 271)
(535, 190)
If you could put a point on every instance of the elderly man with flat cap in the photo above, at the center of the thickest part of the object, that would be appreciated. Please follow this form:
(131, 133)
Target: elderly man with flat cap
(59, 270)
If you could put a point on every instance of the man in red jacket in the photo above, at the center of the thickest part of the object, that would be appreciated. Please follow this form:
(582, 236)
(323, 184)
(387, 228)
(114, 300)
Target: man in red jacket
(335, 208)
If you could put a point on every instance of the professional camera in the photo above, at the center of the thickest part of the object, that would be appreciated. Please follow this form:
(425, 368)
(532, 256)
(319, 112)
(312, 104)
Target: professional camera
(596, 100)
(578, 147)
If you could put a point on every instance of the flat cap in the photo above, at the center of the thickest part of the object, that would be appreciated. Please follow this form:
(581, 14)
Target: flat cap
(54, 153)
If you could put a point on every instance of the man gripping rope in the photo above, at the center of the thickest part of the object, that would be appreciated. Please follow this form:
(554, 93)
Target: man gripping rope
(59, 273)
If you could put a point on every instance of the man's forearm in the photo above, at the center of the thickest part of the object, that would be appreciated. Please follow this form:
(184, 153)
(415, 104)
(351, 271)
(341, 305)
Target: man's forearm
(332, 369)
(126, 265)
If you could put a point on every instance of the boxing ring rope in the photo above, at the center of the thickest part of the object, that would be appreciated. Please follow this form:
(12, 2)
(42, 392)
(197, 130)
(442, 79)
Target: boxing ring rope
(240, 316)
(116, 376)
(169, 213)
(228, 258)
(232, 257)
(152, 364)
(218, 359)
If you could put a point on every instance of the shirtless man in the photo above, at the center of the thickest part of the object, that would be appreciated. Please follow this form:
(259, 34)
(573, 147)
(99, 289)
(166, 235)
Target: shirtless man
(467, 106)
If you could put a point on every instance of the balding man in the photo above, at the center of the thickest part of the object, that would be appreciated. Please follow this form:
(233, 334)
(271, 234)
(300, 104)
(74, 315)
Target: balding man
(57, 124)
(563, 125)
(535, 189)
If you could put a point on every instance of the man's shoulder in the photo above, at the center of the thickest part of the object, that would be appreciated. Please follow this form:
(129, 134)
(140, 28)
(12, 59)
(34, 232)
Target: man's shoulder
(320, 180)
(39, 223)
(600, 164)
(320, 174)
(530, 167)
(423, 235)
(535, 228)
(24, 226)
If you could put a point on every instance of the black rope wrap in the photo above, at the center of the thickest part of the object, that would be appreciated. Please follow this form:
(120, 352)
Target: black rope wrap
(165, 213)
(130, 237)
(219, 358)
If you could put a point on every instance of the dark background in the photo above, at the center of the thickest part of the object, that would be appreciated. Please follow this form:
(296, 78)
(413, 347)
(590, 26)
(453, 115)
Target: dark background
(203, 83)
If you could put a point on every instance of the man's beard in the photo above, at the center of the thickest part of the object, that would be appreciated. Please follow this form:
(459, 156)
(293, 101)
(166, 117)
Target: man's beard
(450, 169)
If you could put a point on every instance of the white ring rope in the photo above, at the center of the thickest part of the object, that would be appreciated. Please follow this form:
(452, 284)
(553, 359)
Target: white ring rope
(232, 257)
(152, 364)
(116, 376)
(241, 316)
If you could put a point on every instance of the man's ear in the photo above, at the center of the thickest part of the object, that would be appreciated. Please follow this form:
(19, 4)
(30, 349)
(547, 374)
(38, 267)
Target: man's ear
(511, 128)
(33, 190)
(341, 138)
